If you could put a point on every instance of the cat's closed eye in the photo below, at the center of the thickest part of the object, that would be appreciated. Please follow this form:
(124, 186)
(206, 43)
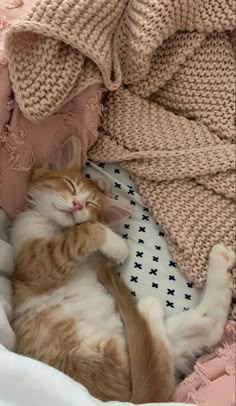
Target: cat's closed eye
(72, 186)
(91, 204)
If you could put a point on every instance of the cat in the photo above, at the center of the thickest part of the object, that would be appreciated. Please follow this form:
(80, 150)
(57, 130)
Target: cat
(71, 309)
(73, 312)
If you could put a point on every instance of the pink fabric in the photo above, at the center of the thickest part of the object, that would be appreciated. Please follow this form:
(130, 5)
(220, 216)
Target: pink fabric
(24, 144)
(11, 10)
(213, 381)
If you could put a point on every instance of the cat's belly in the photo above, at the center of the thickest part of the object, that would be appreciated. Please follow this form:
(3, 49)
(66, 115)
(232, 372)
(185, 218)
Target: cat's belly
(86, 301)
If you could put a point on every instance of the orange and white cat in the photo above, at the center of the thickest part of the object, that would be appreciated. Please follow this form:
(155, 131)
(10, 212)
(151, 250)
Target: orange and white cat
(71, 310)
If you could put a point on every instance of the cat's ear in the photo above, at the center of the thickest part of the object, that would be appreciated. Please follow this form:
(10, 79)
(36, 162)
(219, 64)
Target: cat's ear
(115, 211)
(69, 154)
(105, 187)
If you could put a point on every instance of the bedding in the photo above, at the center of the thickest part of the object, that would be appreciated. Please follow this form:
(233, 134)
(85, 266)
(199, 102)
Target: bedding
(178, 144)
(26, 382)
(168, 69)
(205, 119)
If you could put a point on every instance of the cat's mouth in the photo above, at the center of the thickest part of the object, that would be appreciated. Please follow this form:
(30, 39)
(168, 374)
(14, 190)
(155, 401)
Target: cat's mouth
(68, 212)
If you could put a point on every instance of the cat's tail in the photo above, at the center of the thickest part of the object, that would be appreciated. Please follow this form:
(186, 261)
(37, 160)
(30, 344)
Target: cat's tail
(151, 364)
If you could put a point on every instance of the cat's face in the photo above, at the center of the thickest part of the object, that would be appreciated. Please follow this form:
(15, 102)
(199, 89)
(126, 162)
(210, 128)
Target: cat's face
(67, 198)
(64, 196)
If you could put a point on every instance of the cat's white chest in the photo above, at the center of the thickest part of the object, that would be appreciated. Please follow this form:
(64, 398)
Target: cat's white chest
(88, 302)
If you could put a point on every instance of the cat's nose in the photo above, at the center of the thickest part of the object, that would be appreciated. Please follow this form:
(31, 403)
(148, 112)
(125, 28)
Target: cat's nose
(77, 205)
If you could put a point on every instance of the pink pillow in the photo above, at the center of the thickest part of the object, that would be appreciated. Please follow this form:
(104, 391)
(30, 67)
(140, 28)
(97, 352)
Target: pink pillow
(213, 381)
(11, 10)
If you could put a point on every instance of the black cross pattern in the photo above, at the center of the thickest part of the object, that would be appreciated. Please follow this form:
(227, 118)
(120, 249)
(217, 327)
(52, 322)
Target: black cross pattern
(133, 293)
(125, 236)
(144, 217)
(117, 185)
(161, 234)
(155, 285)
(153, 271)
(137, 265)
(116, 197)
(172, 263)
(116, 171)
(189, 284)
(88, 163)
(127, 226)
(101, 165)
(186, 309)
(142, 229)
(134, 279)
(170, 304)
(88, 176)
(158, 247)
(140, 241)
(172, 278)
(171, 292)
(155, 259)
(132, 202)
(146, 209)
(187, 297)
(131, 192)
(139, 254)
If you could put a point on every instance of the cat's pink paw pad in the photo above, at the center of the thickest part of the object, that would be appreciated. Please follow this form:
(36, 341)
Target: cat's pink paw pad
(221, 252)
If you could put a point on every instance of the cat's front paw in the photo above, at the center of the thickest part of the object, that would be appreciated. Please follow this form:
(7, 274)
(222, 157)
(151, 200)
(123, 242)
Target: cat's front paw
(114, 247)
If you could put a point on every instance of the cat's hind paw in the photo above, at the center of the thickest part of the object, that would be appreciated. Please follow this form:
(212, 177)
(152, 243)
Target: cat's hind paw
(222, 256)
(151, 305)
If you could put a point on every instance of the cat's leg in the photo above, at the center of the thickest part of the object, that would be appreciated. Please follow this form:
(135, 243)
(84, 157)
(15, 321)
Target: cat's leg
(190, 333)
(48, 263)
(152, 310)
(114, 247)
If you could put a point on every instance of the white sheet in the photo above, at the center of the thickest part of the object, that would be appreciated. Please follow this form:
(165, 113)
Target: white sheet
(26, 382)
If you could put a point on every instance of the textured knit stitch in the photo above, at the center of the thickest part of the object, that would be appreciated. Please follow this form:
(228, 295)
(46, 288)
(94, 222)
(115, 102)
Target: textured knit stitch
(170, 114)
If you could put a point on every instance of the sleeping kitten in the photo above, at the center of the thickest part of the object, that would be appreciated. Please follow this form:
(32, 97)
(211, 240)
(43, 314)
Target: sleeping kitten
(64, 315)
(66, 292)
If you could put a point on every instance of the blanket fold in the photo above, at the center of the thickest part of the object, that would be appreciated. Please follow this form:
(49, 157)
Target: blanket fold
(169, 116)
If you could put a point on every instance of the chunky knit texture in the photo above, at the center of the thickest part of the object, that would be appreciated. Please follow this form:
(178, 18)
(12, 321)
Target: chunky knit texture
(169, 116)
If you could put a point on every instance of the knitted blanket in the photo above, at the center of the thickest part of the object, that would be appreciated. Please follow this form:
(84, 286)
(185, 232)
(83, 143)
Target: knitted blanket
(169, 114)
